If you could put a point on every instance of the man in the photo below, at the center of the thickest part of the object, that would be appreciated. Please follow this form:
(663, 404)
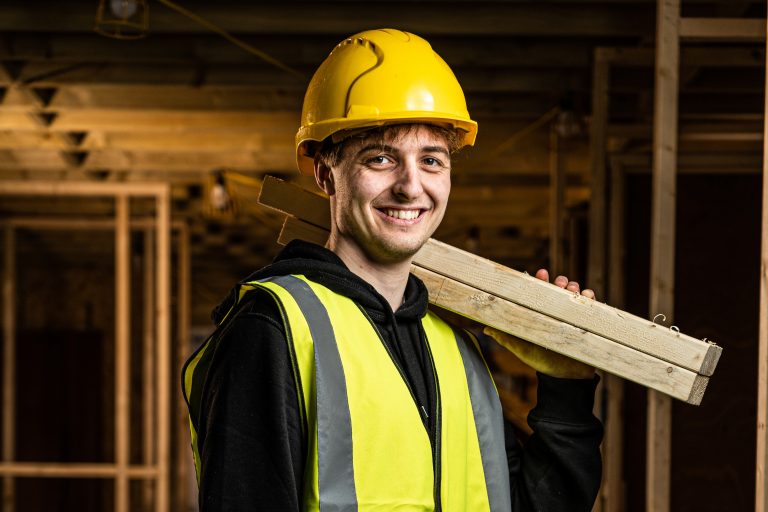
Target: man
(328, 385)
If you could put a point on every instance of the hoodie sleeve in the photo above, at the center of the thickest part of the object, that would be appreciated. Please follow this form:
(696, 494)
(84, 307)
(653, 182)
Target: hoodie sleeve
(559, 467)
(251, 444)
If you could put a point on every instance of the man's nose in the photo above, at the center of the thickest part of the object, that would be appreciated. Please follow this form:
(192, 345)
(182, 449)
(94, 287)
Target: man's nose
(408, 184)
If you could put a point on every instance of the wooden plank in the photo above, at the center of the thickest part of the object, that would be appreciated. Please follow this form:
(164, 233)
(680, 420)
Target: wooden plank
(597, 140)
(556, 203)
(568, 307)
(540, 329)
(613, 444)
(726, 132)
(164, 97)
(83, 189)
(133, 120)
(16, 120)
(9, 363)
(562, 338)
(612, 492)
(761, 469)
(525, 290)
(596, 249)
(163, 358)
(78, 224)
(148, 363)
(701, 163)
(288, 198)
(183, 460)
(722, 29)
(72, 470)
(247, 161)
(122, 352)
(193, 141)
(689, 56)
(665, 118)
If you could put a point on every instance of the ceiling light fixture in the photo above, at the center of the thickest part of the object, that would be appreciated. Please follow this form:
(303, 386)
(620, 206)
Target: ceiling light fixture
(122, 19)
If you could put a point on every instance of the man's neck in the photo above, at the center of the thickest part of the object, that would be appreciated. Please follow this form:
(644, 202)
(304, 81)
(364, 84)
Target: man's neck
(389, 279)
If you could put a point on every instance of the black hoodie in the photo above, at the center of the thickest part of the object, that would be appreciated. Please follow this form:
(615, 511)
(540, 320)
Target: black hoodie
(249, 433)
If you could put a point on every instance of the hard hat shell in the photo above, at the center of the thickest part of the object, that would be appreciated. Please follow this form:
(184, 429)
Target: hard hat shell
(380, 77)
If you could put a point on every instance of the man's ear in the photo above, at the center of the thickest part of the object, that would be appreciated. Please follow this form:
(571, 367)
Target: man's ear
(324, 177)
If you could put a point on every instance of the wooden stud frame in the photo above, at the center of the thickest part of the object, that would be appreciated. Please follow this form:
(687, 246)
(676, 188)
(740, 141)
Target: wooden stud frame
(663, 204)
(761, 479)
(121, 471)
(9, 358)
(556, 201)
(682, 29)
(612, 491)
(148, 363)
(183, 454)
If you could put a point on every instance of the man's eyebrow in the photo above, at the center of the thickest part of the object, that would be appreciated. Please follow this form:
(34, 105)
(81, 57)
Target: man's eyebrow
(393, 149)
(436, 149)
(377, 147)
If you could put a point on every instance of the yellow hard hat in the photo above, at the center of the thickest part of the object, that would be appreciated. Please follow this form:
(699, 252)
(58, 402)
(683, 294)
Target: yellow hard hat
(380, 77)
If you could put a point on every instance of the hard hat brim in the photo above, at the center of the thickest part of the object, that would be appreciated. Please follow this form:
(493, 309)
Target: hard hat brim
(318, 132)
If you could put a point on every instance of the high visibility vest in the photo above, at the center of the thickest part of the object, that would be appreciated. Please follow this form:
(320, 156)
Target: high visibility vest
(367, 448)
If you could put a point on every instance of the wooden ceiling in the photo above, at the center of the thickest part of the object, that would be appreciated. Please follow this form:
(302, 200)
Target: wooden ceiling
(183, 103)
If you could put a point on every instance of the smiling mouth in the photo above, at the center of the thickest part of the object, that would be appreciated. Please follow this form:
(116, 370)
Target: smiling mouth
(401, 214)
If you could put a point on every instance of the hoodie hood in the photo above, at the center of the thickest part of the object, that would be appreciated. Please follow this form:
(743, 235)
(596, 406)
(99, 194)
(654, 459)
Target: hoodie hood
(324, 267)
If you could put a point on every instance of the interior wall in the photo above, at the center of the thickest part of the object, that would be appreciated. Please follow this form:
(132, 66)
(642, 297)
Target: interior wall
(65, 365)
(717, 264)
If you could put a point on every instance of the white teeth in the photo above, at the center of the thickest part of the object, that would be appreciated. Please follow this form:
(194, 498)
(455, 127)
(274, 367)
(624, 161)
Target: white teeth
(403, 214)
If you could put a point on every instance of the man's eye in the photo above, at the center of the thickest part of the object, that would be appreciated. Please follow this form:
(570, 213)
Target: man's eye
(432, 161)
(379, 160)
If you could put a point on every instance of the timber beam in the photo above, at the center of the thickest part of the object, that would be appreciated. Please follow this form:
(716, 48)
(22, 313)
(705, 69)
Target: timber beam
(627, 339)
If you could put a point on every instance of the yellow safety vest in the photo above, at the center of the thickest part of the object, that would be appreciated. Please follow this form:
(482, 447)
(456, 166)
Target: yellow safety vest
(367, 448)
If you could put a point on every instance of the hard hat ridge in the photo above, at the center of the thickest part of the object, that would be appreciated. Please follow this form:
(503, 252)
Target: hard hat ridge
(380, 77)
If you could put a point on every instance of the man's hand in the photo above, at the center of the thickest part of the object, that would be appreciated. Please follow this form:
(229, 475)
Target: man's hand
(540, 358)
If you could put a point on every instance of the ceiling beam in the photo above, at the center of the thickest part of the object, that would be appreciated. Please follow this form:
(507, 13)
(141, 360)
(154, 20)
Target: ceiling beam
(472, 79)
(722, 29)
(342, 18)
(472, 51)
(69, 48)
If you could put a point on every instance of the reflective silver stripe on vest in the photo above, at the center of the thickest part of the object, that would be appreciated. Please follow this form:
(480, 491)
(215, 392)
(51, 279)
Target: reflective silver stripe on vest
(489, 422)
(336, 478)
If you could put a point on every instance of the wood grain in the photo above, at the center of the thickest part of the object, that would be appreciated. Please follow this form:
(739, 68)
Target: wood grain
(520, 288)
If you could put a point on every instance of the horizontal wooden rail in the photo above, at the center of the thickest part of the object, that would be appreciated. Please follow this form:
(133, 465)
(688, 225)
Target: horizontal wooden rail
(72, 470)
(722, 29)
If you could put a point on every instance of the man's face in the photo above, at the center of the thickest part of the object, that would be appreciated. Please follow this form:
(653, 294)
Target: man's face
(389, 196)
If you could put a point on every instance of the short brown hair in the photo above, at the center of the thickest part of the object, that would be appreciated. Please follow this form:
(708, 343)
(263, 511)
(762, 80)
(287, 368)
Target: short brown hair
(330, 152)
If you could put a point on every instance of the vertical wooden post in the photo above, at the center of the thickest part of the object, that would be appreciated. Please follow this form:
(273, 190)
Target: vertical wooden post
(122, 350)
(596, 253)
(163, 225)
(613, 481)
(9, 363)
(556, 200)
(663, 239)
(148, 362)
(761, 496)
(183, 318)
(596, 264)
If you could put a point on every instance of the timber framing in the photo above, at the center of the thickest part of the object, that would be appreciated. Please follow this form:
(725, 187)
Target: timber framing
(761, 466)
(121, 471)
(495, 293)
